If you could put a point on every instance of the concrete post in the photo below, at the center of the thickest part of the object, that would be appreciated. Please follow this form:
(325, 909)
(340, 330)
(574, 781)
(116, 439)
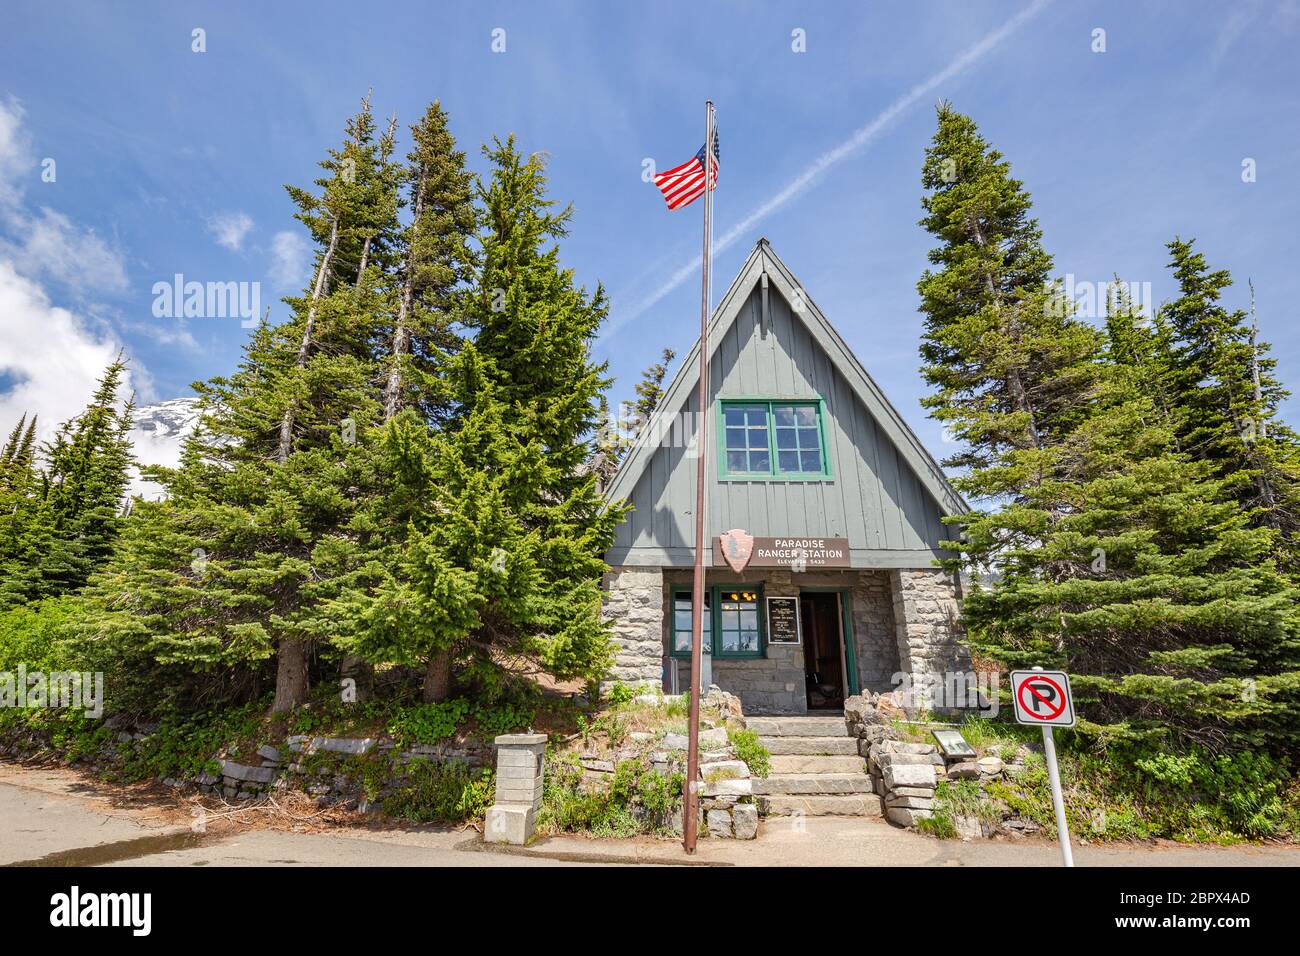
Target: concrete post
(520, 759)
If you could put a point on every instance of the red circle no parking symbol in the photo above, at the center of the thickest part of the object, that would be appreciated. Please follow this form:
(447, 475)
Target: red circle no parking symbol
(1041, 692)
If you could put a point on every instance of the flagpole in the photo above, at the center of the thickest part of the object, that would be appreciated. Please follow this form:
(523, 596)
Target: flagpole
(690, 799)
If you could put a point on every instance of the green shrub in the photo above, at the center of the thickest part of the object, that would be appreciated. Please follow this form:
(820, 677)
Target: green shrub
(439, 792)
(678, 706)
(751, 751)
(32, 635)
(503, 719)
(569, 806)
(612, 726)
(939, 824)
(638, 799)
(428, 723)
(620, 693)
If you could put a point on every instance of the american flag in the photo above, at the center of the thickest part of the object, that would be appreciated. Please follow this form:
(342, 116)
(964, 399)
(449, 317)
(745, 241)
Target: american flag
(684, 184)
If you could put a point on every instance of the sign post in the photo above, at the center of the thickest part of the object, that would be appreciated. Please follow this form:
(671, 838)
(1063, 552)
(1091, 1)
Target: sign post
(1043, 698)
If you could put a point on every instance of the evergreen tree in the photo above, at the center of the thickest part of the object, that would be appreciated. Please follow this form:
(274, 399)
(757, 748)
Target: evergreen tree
(650, 390)
(534, 330)
(1144, 578)
(17, 464)
(1117, 557)
(1001, 349)
(346, 219)
(264, 519)
(465, 576)
(618, 434)
(437, 261)
(62, 523)
(431, 263)
(11, 455)
(19, 504)
(379, 222)
(1226, 398)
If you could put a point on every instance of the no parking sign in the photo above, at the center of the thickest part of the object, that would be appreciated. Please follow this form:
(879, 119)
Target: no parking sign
(1042, 698)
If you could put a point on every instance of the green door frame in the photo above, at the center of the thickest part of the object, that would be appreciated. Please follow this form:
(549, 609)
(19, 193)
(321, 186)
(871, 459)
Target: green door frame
(846, 631)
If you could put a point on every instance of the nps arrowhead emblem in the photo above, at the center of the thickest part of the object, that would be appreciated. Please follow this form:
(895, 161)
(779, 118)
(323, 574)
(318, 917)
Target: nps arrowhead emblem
(737, 548)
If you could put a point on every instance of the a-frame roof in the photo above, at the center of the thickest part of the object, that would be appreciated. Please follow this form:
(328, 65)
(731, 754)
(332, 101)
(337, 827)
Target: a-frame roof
(763, 260)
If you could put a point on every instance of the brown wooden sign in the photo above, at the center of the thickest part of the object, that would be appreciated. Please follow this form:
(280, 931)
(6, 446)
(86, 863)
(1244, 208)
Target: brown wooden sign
(739, 549)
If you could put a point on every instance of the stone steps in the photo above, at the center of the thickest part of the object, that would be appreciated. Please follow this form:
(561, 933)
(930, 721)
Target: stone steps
(826, 805)
(811, 746)
(794, 784)
(803, 763)
(798, 726)
(816, 769)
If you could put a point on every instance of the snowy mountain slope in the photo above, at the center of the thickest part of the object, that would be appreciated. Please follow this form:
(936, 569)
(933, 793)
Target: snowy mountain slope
(157, 434)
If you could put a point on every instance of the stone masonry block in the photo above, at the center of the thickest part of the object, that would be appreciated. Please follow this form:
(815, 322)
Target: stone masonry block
(910, 775)
(509, 824)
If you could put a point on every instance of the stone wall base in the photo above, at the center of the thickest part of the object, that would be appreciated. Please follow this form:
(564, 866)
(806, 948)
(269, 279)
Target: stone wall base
(931, 640)
(904, 621)
(634, 604)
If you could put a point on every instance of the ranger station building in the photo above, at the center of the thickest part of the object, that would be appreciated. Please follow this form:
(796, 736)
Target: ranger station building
(824, 516)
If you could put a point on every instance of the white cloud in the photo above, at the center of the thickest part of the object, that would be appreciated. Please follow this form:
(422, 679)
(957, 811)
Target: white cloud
(289, 257)
(48, 245)
(230, 228)
(15, 154)
(53, 247)
(49, 356)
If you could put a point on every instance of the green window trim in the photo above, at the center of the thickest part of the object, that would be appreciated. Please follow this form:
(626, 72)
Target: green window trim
(764, 433)
(718, 596)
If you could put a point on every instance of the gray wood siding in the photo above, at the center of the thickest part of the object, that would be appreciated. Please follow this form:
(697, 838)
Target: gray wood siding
(873, 497)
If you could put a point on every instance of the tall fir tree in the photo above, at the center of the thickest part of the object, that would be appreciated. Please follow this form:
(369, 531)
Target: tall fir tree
(1007, 362)
(15, 457)
(19, 503)
(1111, 553)
(437, 262)
(264, 519)
(534, 330)
(347, 219)
(1226, 397)
(619, 432)
(63, 519)
(462, 581)
(431, 263)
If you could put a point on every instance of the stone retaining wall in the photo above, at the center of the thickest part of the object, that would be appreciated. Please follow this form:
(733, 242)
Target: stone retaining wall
(279, 770)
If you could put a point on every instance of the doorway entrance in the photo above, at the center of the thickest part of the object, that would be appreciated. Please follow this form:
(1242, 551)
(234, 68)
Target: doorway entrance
(823, 650)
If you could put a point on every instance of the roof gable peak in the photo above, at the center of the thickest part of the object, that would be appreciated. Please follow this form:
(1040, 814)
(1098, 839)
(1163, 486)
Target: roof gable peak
(765, 269)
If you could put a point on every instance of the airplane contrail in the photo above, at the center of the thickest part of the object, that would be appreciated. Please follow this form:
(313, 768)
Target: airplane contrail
(857, 141)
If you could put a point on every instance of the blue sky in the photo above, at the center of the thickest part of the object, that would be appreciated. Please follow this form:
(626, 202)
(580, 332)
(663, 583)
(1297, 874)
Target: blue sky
(170, 161)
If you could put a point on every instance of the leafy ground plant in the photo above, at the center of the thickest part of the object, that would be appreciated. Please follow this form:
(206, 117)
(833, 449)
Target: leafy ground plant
(751, 751)
(435, 792)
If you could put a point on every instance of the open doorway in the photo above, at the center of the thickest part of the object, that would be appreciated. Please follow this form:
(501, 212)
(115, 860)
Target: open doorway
(823, 650)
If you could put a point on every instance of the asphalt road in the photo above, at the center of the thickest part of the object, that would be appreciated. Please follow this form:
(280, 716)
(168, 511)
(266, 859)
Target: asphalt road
(56, 817)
